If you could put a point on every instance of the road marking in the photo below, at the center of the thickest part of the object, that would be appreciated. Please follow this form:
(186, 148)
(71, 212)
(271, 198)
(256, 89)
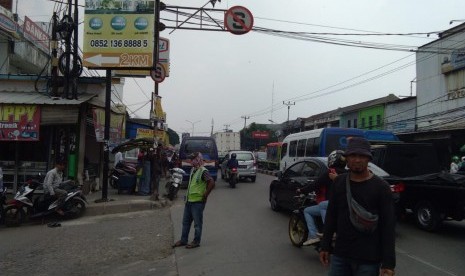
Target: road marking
(418, 259)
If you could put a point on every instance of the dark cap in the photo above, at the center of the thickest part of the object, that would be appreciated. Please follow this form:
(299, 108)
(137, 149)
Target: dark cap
(358, 145)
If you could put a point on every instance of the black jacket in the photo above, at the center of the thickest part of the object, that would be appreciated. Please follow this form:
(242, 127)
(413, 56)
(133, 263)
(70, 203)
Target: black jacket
(374, 195)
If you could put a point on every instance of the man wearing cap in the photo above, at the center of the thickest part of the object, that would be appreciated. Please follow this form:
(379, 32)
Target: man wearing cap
(356, 252)
(200, 186)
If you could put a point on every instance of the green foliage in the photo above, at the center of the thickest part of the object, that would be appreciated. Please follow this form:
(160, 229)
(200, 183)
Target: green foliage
(249, 143)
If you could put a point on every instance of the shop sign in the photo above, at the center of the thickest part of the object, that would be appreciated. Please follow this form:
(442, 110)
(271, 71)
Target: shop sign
(150, 133)
(19, 122)
(260, 134)
(36, 35)
(117, 125)
(6, 22)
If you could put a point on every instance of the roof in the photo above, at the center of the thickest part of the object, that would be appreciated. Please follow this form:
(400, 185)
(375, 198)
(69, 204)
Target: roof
(9, 97)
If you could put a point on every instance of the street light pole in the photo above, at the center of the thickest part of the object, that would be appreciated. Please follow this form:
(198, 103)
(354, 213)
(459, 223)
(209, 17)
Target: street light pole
(288, 107)
(193, 123)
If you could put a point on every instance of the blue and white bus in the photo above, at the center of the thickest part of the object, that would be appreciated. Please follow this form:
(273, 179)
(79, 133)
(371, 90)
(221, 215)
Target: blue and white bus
(316, 142)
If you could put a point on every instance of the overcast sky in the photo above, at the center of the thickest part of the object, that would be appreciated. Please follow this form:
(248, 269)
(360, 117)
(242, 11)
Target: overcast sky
(222, 77)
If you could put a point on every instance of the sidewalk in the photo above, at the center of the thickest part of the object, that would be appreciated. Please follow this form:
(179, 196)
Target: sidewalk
(123, 203)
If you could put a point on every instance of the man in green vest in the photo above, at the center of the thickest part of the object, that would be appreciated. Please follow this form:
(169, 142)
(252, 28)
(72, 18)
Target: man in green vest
(200, 186)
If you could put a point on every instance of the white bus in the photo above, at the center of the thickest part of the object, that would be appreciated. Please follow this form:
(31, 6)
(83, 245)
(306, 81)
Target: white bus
(316, 142)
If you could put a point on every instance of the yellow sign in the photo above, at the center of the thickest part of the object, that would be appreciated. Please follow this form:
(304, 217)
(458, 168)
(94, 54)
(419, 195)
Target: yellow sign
(119, 34)
(161, 135)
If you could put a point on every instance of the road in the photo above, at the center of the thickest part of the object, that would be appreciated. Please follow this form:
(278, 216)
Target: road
(242, 236)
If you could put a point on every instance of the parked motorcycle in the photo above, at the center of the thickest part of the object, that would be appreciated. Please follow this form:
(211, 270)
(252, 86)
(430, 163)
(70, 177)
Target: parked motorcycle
(121, 169)
(232, 177)
(27, 206)
(298, 231)
(172, 186)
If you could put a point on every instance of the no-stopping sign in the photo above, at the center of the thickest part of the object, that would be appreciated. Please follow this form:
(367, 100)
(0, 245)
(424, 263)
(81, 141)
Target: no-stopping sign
(158, 75)
(238, 20)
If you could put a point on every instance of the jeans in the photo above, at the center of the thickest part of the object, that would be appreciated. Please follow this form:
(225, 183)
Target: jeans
(323, 207)
(342, 266)
(309, 212)
(193, 211)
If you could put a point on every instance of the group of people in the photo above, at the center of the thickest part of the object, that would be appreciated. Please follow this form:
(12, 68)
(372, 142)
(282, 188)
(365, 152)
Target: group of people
(152, 166)
(457, 165)
(362, 246)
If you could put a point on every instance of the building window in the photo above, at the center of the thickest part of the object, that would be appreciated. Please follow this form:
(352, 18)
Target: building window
(355, 123)
(378, 121)
(370, 122)
(348, 123)
(363, 123)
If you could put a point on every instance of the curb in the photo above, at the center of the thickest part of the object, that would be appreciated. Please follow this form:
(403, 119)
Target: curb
(124, 206)
(273, 173)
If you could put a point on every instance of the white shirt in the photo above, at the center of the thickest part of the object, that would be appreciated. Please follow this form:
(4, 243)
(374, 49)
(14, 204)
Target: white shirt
(118, 158)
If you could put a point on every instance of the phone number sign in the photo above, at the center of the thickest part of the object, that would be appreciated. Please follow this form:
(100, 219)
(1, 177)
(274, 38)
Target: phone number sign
(120, 36)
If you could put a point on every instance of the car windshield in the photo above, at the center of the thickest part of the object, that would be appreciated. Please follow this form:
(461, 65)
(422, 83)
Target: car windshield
(244, 156)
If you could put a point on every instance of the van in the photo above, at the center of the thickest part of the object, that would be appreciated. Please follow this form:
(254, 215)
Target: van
(316, 142)
(204, 145)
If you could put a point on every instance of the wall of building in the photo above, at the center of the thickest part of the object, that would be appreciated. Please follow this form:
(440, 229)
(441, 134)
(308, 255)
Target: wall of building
(400, 116)
(349, 120)
(371, 117)
(441, 85)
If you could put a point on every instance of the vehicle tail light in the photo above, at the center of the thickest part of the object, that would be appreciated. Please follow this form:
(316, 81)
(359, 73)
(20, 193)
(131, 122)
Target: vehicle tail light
(398, 187)
(234, 170)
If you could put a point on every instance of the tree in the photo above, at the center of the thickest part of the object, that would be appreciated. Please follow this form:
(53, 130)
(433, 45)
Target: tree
(249, 143)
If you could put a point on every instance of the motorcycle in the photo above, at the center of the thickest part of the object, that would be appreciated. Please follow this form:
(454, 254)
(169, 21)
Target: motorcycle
(298, 231)
(26, 206)
(121, 169)
(232, 177)
(172, 186)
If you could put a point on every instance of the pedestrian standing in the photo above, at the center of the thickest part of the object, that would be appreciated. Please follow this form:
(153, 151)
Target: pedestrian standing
(199, 187)
(361, 214)
(156, 174)
(454, 165)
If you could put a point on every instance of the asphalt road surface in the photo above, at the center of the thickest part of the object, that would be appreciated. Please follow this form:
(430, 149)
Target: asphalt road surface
(242, 236)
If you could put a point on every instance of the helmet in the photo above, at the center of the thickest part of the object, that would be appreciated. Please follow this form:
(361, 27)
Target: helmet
(455, 158)
(336, 159)
(233, 156)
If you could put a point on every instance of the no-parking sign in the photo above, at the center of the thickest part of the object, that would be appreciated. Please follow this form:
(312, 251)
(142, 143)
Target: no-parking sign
(238, 20)
(158, 75)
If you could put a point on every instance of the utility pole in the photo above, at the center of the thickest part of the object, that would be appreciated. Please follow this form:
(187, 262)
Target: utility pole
(245, 120)
(288, 103)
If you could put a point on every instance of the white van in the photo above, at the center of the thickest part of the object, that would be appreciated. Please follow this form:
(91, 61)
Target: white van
(316, 142)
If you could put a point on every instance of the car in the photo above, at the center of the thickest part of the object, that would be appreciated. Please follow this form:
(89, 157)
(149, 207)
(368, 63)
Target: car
(283, 189)
(247, 164)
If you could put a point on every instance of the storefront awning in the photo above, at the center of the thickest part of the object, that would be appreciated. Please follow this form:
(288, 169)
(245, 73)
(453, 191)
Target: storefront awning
(8, 97)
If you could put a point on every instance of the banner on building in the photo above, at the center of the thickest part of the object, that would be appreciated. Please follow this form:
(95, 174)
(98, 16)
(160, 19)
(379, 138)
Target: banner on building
(117, 126)
(260, 134)
(161, 135)
(19, 122)
(36, 35)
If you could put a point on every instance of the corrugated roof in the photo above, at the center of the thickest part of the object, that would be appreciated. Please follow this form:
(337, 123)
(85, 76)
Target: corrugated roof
(9, 97)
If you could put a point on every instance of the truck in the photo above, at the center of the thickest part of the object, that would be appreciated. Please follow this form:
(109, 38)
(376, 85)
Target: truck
(226, 141)
(431, 195)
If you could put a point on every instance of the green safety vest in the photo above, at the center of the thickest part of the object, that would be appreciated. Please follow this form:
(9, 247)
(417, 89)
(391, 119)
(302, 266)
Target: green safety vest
(197, 186)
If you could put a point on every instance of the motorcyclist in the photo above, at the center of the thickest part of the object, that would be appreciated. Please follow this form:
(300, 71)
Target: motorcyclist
(232, 163)
(323, 185)
(52, 182)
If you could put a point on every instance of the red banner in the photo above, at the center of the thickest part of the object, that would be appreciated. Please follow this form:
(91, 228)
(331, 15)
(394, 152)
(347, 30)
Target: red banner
(19, 122)
(260, 134)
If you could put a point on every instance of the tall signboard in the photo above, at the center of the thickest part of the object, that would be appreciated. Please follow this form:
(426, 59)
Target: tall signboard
(119, 34)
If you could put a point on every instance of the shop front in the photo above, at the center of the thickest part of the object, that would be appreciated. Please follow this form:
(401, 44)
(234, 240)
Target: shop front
(33, 134)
